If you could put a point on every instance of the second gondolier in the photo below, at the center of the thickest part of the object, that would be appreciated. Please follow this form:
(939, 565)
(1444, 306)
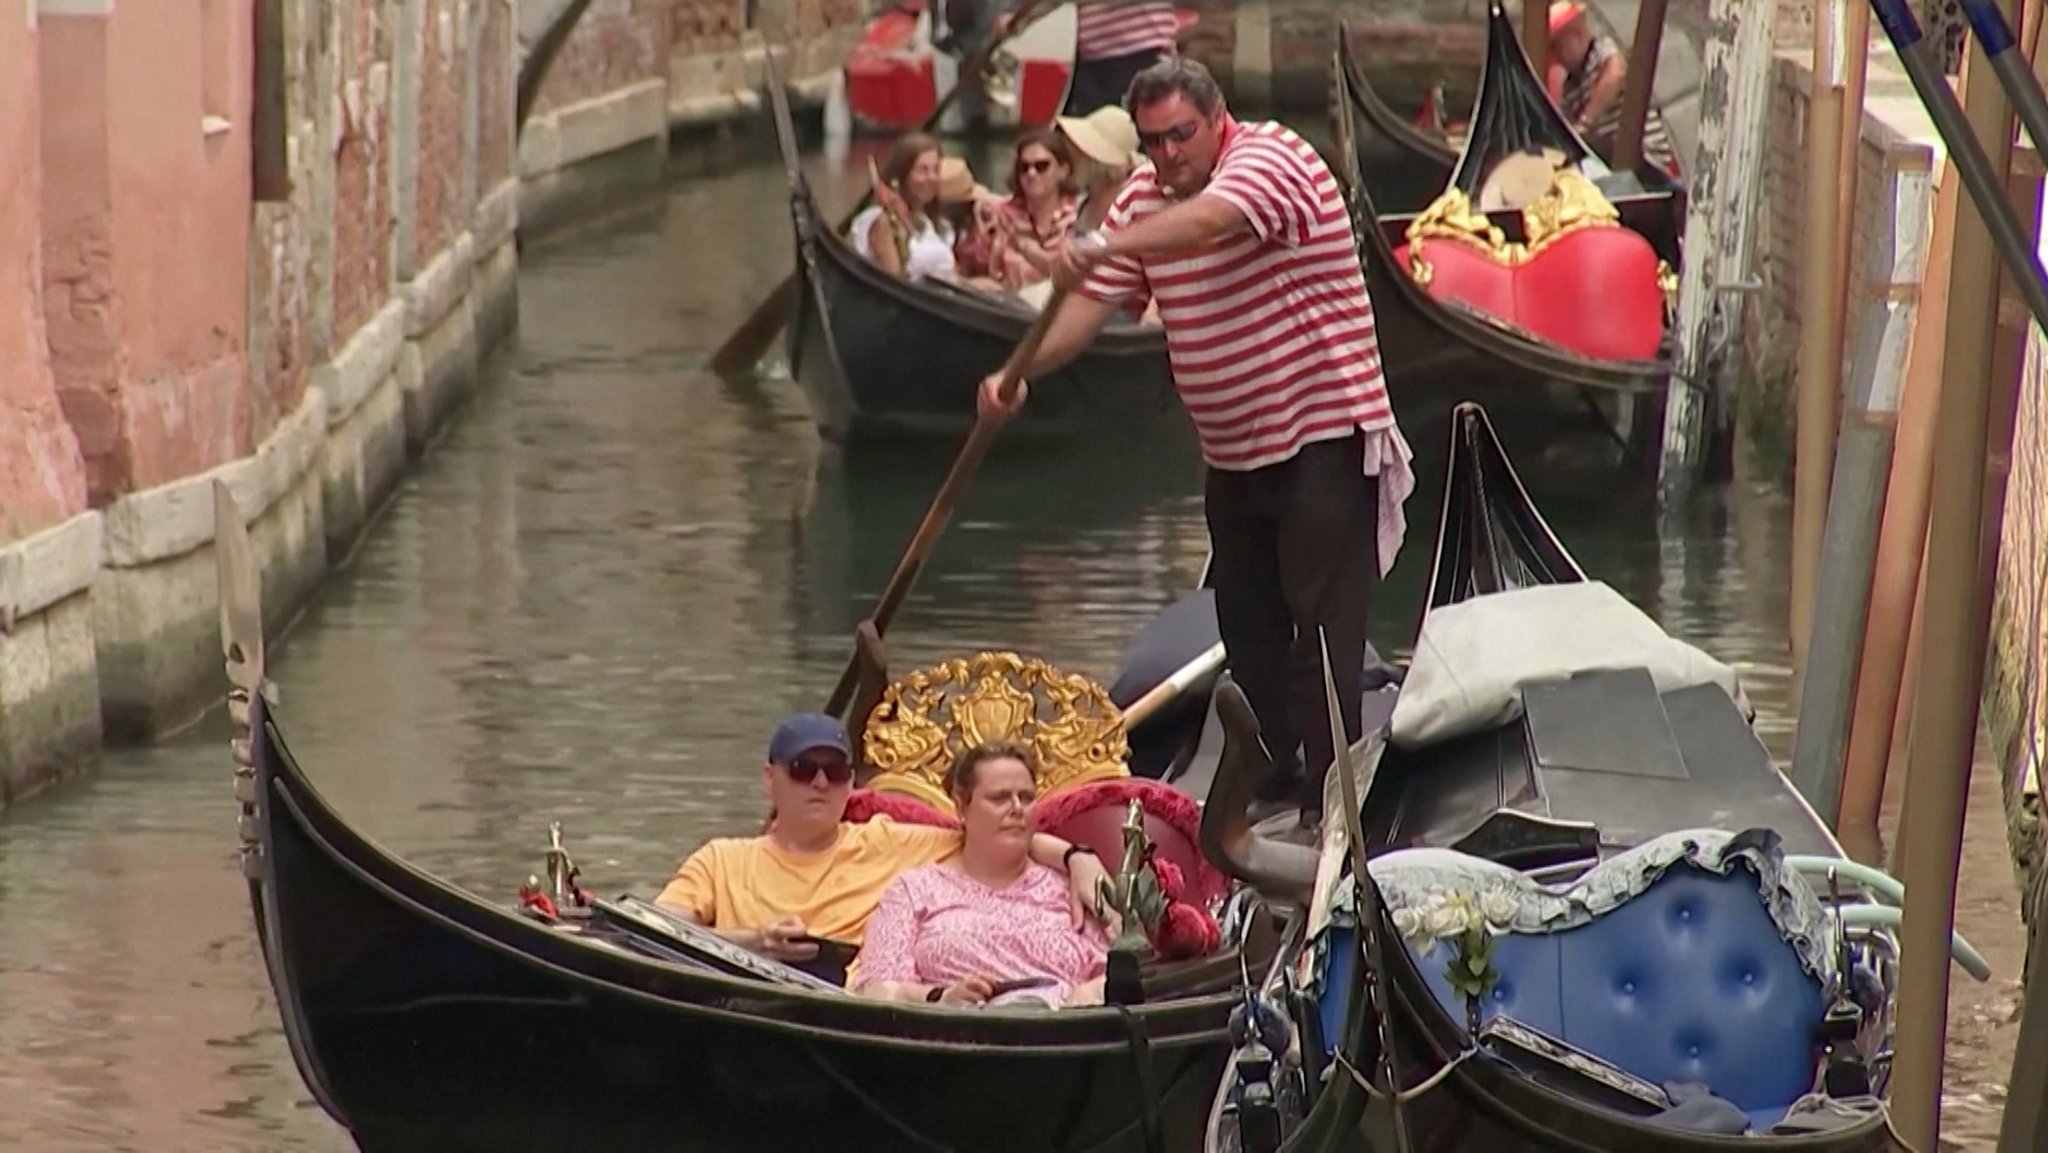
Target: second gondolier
(1239, 233)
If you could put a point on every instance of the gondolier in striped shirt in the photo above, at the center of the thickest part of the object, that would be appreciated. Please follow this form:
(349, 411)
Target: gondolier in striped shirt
(1115, 40)
(1239, 233)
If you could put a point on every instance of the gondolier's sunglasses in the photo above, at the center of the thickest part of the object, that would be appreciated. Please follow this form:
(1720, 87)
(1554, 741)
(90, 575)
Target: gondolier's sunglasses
(804, 770)
(1178, 134)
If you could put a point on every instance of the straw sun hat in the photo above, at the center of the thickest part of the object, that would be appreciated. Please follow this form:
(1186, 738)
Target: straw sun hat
(1107, 136)
(957, 184)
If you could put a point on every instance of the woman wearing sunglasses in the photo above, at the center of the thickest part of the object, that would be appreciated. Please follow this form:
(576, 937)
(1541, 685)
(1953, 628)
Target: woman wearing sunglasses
(810, 878)
(1039, 212)
(989, 926)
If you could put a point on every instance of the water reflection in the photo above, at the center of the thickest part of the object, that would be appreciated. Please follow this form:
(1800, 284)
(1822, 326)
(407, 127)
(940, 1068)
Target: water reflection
(592, 602)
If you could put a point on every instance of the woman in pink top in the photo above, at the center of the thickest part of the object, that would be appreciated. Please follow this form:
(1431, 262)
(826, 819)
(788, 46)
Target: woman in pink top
(988, 926)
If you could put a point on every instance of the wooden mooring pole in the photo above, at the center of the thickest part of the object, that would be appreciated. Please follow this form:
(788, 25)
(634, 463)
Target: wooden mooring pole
(1944, 723)
(1879, 722)
(1863, 460)
(1819, 378)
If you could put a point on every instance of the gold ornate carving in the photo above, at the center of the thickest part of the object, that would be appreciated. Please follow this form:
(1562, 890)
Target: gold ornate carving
(928, 717)
(1667, 282)
(1572, 204)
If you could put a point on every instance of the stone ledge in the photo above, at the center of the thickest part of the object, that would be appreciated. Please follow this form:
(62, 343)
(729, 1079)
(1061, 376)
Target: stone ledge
(41, 570)
(438, 288)
(593, 127)
(174, 519)
(365, 362)
(496, 219)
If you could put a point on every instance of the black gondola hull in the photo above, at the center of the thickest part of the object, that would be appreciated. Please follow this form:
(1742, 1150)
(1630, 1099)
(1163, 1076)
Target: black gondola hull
(1496, 793)
(426, 1020)
(882, 358)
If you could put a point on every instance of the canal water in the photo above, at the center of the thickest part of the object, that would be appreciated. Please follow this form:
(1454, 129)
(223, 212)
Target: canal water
(592, 602)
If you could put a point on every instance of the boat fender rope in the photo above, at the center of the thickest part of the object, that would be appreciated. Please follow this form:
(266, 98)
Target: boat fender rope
(1148, 1087)
(1403, 1096)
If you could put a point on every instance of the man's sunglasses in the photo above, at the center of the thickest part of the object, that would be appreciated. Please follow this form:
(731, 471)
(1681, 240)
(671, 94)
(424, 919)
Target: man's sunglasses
(804, 770)
(1034, 166)
(1178, 134)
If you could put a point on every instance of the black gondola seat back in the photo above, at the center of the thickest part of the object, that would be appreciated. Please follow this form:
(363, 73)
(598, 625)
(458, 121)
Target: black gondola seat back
(1688, 977)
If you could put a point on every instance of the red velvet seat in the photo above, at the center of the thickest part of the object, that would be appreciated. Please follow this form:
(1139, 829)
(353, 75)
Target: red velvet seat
(1592, 291)
(1093, 815)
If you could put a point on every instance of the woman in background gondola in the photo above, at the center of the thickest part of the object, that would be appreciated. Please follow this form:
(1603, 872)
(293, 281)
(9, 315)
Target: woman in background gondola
(1040, 211)
(904, 232)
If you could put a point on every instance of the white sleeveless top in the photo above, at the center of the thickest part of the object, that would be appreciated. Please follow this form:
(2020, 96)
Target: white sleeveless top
(931, 245)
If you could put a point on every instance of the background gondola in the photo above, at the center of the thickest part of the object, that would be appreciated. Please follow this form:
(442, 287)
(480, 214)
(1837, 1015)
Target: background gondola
(1571, 411)
(1403, 165)
(880, 357)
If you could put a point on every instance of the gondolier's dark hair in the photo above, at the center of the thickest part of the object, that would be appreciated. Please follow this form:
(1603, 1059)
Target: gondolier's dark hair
(1171, 75)
(960, 778)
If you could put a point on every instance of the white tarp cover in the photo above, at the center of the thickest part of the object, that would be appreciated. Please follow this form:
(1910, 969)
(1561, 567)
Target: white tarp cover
(1474, 658)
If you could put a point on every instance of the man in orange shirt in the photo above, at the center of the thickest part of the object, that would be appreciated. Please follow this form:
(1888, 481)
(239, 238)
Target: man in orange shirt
(810, 875)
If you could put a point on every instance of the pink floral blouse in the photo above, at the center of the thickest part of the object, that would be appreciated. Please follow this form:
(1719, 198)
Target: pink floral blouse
(936, 925)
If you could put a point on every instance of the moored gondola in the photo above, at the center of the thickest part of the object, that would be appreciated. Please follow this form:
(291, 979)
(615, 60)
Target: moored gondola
(881, 357)
(1403, 165)
(1546, 301)
(1601, 920)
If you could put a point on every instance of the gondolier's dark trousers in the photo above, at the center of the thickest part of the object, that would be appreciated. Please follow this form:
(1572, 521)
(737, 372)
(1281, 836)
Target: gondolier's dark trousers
(1296, 547)
(1100, 82)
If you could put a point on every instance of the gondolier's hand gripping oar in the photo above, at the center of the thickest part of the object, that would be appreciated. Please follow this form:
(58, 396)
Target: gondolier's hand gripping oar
(950, 491)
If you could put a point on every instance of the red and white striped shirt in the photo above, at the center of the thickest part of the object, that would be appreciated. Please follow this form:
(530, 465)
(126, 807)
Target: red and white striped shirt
(1106, 31)
(1270, 330)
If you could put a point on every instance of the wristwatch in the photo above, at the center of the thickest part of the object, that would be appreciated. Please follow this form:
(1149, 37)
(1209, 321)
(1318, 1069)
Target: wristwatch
(1067, 858)
(933, 994)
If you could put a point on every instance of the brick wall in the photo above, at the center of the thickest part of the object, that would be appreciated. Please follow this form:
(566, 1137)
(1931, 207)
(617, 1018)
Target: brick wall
(363, 214)
(617, 44)
(1772, 321)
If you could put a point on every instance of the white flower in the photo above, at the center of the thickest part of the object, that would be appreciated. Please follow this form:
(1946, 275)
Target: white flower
(1407, 922)
(1447, 919)
(1499, 906)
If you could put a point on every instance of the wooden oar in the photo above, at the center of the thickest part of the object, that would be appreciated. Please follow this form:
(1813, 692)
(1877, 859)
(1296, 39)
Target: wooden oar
(949, 494)
(749, 342)
(1170, 689)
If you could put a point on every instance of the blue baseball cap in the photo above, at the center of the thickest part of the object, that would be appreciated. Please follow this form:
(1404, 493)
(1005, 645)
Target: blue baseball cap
(801, 732)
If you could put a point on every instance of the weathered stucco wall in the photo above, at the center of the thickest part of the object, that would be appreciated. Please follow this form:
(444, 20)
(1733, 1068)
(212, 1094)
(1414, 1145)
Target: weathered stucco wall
(49, 699)
(159, 330)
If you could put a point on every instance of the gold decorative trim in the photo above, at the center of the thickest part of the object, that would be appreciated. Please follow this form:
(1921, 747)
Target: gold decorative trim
(1572, 204)
(928, 717)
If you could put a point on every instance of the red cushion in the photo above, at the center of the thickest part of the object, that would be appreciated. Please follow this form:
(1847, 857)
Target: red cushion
(1093, 815)
(863, 804)
(1593, 292)
(1464, 273)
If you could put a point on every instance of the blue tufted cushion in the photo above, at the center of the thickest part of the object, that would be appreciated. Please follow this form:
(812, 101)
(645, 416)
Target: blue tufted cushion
(1689, 981)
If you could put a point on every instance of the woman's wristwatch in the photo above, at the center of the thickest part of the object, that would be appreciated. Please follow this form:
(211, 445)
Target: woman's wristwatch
(1067, 858)
(932, 995)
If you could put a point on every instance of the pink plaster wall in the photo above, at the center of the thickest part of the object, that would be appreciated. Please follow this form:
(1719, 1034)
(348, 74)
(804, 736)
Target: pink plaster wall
(42, 480)
(440, 208)
(146, 236)
(363, 219)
